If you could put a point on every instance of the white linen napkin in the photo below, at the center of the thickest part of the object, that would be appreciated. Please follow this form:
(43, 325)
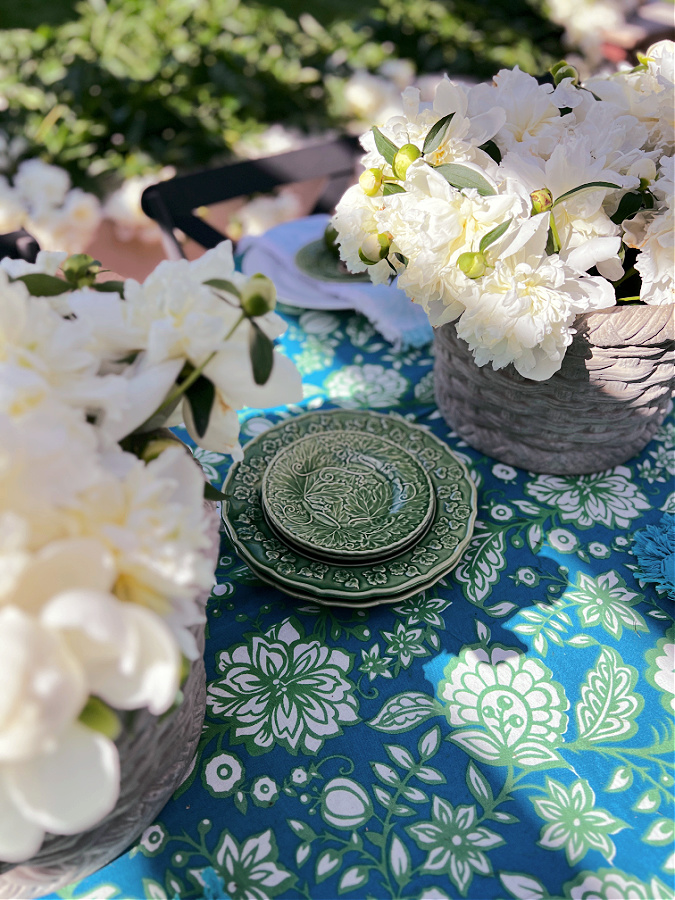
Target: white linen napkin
(400, 321)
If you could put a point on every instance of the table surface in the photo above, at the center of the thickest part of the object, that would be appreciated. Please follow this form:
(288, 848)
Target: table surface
(507, 733)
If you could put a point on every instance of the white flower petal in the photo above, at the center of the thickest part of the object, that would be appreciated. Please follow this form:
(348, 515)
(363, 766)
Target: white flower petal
(70, 788)
(19, 837)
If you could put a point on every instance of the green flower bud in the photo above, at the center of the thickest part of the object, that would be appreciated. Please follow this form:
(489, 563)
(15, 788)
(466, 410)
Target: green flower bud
(81, 270)
(374, 248)
(371, 181)
(472, 264)
(156, 447)
(258, 296)
(98, 716)
(644, 184)
(542, 200)
(404, 157)
(330, 236)
(562, 70)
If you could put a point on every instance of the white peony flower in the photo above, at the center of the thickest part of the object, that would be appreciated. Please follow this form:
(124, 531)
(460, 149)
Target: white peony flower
(123, 209)
(41, 187)
(524, 310)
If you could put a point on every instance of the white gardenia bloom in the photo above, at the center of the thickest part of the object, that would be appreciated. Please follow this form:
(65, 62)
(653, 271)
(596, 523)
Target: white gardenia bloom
(532, 123)
(55, 774)
(151, 519)
(525, 308)
(40, 186)
(128, 655)
(123, 209)
(651, 232)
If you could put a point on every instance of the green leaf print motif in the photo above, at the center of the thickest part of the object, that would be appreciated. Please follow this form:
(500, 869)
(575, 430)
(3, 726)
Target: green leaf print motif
(482, 562)
(404, 712)
(608, 706)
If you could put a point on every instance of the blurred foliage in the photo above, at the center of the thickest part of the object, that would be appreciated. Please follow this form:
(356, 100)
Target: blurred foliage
(110, 89)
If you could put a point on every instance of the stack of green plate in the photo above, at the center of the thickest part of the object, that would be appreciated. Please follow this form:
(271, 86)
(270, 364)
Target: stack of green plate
(349, 508)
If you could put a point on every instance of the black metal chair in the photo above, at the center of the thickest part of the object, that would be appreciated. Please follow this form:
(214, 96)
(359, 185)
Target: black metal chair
(172, 203)
(19, 245)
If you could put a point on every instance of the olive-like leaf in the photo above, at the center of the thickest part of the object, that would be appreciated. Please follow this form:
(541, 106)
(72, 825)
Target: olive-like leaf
(109, 287)
(585, 187)
(493, 235)
(212, 493)
(436, 134)
(261, 349)
(492, 150)
(223, 285)
(463, 177)
(628, 206)
(200, 395)
(41, 285)
(387, 148)
(389, 188)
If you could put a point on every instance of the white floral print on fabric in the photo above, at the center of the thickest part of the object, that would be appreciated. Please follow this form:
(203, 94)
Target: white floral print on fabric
(609, 498)
(250, 869)
(223, 774)
(606, 601)
(282, 689)
(454, 843)
(505, 707)
(613, 884)
(574, 823)
(661, 672)
(369, 386)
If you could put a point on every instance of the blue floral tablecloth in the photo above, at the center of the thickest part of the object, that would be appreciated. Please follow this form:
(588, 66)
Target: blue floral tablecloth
(507, 733)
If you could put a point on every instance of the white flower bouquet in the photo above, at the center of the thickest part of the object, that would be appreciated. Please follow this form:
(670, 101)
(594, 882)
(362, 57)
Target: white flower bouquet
(106, 545)
(40, 199)
(511, 208)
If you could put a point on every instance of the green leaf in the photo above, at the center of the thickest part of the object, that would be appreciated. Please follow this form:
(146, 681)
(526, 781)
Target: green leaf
(303, 831)
(326, 864)
(354, 877)
(41, 285)
(404, 712)
(241, 802)
(585, 187)
(109, 287)
(482, 562)
(200, 395)
(436, 134)
(387, 148)
(386, 774)
(261, 349)
(478, 785)
(429, 743)
(391, 188)
(660, 834)
(493, 236)
(429, 775)
(628, 206)
(400, 756)
(461, 177)
(223, 285)
(522, 886)
(608, 706)
(492, 150)
(212, 493)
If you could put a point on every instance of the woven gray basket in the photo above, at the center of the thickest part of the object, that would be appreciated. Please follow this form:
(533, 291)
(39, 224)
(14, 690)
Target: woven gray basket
(600, 409)
(155, 754)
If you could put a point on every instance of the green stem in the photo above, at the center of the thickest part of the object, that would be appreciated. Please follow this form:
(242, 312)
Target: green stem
(554, 232)
(627, 299)
(626, 275)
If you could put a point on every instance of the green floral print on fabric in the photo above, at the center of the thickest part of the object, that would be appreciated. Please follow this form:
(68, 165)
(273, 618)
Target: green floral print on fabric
(606, 601)
(281, 688)
(369, 386)
(574, 823)
(250, 869)
(609, 498)
(454, 843)
(504, 707)
(661, 671)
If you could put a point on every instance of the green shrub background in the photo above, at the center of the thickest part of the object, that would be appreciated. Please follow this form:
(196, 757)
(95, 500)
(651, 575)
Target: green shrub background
(111, 89)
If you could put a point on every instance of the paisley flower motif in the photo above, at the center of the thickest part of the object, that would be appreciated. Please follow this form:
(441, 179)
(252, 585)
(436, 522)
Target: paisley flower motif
(283, 689)
(504, 706)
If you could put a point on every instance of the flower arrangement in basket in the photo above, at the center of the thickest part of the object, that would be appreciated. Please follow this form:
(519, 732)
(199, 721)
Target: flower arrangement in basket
(107, 549)
(511, 209)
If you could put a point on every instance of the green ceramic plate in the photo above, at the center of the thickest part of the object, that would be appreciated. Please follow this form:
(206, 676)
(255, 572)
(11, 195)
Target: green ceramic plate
(319, 262)
(347, 497)
(414, 569)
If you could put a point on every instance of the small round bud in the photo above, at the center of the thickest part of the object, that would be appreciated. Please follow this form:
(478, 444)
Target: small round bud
(98, 716)
(542, 201)
(371, 181)
(472, 264)
(258, 296)
(374, 248)
(330, 237)
(562, 70)
(404, 157)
